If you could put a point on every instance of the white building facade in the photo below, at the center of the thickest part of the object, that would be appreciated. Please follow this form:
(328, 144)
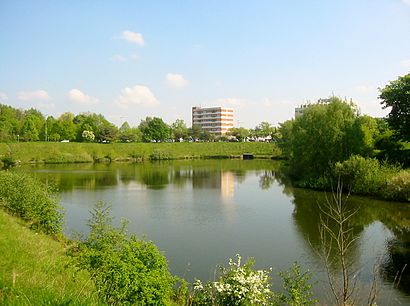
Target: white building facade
(215, 120)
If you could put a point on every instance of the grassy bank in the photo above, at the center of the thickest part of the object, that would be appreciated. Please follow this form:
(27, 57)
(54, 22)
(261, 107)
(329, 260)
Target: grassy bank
(41, 152)
(34, 269)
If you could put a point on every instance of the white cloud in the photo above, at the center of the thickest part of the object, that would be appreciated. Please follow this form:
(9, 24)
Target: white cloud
(176, 80)
(118, 58)
(133, 37)
(405, 63)
(33, 95)
(136, 95)
(406, 2)
(3, 96)
(79, 97)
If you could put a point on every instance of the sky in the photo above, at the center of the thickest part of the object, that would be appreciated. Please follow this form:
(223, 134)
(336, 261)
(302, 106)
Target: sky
(132, 59)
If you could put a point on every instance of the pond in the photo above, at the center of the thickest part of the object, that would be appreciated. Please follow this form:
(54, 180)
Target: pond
(202, 212)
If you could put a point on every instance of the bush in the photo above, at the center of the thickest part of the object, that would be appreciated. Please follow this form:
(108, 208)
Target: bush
(237, 285)
(363, 175)
(125, 270)
(24, 196)
(298, 290)
(159, 155)
(398, 187)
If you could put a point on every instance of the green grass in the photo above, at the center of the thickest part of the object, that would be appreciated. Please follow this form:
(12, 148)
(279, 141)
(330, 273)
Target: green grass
(34, 269)
(41, 152)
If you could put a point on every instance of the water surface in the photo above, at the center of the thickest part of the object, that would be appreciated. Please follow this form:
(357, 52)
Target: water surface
(202, 212)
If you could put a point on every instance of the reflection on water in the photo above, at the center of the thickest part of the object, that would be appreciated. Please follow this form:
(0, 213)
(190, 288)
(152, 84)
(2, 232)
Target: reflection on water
(202, 212)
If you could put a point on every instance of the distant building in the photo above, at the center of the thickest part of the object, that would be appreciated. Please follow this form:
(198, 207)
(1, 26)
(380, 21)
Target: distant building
(215, 120)
(301, 109)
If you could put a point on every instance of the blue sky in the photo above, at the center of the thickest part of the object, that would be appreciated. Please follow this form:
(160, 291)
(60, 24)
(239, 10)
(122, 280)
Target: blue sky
(132, 59)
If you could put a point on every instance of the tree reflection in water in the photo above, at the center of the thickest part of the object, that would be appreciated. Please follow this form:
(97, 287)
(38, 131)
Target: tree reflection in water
(394, 216)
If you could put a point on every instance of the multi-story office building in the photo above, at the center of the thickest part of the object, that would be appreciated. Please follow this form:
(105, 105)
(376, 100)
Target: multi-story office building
(216, 120)
(301, 109)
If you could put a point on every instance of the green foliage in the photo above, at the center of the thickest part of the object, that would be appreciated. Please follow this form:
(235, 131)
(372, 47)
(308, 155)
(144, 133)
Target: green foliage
(159, 155)
(24, 196)
(7, 161)
(368, 176)
(239, 133)
(397, 96)
(154, 129)
(179, 129)
(29, 131)
(237, 285)
(298, 290)
(128, 134)
(66, 127)
(125, 270)
(398, 187)
(89, 152)
(363, 175)
(264, 129)
(323, 135)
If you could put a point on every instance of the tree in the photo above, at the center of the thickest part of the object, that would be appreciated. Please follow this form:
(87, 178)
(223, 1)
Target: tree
(154, 129)
(66, 126)
(195, 131)
(240, 133)
(179, 129)
(38, 120)
(107, 132)
(11, 121)
(324, 135)
(264, 129)
(128, 134)
(397, 96)
(29, 130)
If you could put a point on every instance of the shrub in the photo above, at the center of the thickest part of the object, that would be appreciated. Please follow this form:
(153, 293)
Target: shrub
(298, 290)
(7, 162)
(237, 285)
(398, 187)
(159, 155)
(363, 175)
(31, 200)
(125, 270)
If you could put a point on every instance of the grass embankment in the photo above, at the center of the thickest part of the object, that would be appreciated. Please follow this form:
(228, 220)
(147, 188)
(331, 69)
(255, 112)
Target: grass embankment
(42, 152)
(34, 269)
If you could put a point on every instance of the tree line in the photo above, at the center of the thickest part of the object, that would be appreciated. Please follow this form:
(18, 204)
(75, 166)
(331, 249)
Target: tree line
(31, 125)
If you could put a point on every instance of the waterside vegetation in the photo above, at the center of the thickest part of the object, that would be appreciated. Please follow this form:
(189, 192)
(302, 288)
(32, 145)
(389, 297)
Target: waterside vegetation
(55, 153)
(333, 140)
(111, 267)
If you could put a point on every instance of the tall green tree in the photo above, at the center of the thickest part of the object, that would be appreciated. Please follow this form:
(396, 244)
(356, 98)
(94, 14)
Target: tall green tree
(66, 127)
(29, 131)
(179, 129)
(154, 129)
(11, 122)
(195, 131)
(397, 96)
(239, 133)
(264, 129)
(324, 135)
